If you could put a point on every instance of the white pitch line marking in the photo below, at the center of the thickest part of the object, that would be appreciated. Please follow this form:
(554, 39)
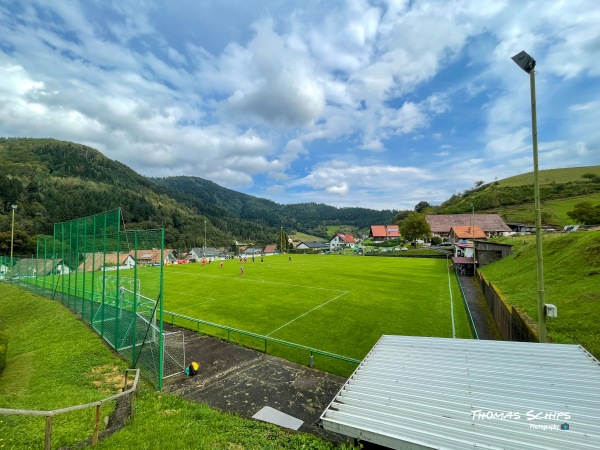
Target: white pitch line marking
(193, 304)
(302, 315)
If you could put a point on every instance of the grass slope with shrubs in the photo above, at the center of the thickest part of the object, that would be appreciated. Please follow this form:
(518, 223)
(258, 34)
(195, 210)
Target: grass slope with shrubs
(548, 176)
(571, 282)
(54, 360)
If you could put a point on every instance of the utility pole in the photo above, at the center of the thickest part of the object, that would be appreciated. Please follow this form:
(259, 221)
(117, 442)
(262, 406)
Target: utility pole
(12, 237)
(527, 63)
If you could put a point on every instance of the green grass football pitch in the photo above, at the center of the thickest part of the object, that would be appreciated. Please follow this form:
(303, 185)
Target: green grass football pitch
(337, 304)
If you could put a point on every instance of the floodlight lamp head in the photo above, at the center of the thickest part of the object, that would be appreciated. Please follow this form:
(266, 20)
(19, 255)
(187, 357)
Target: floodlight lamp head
(14, 206)
(524, 61)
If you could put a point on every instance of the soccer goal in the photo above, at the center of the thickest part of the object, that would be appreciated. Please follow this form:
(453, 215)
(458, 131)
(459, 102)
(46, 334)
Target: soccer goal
(127, 316)
(173, 353)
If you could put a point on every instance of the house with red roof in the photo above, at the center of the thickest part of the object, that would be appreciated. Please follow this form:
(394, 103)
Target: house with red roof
(153, 256)
(384, 232)
(270, 249)
(341, 240)
(466, 232)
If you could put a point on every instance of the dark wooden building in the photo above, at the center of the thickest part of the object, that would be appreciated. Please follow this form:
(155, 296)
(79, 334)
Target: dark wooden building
(488, 252)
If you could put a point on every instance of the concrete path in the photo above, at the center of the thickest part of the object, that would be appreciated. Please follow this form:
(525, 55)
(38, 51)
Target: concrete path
(482, 316)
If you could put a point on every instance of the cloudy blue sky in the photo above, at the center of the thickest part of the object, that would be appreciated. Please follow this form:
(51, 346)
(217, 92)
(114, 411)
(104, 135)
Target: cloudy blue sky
(380, 103)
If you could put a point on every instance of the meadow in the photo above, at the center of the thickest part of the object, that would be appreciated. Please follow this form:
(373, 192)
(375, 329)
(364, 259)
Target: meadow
(571, 280)
(339, 304)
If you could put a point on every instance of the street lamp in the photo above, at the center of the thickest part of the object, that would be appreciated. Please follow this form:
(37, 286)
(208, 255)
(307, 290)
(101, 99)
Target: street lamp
(527, 63)
(12, 236)
(204, 252)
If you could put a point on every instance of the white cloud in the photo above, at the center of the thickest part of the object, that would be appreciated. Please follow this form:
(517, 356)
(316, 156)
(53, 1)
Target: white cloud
(296, 94)
(283, 91)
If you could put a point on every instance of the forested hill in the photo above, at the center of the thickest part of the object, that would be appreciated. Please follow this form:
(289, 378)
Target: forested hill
(310, 218)
(54, 181)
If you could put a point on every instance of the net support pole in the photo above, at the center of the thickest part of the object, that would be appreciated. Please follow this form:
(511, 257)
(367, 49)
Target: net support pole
(160, 312)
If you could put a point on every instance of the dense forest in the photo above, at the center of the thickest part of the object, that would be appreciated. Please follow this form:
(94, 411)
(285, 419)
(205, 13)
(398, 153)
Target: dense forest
(53, 181)
(310, 218)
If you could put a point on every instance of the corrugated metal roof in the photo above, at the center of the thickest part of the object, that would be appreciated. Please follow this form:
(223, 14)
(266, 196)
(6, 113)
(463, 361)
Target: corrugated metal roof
(421, 392)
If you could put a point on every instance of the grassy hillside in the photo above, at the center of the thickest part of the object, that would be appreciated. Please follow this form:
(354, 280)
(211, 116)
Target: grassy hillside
(553, 211)
(303, 237)
(513, 198)
(551, 176)
(55, 361)
(572, 281)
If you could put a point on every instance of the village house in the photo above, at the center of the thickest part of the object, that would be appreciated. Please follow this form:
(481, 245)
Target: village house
(341, 240)
(380, 233)
(461, 233)
(491, 224)
(312, 246)
(109, 261)
(270, 249)
(197, 253)
(31, 267)
(152, 256)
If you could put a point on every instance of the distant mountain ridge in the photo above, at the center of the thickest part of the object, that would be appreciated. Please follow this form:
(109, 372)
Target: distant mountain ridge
(54, 181)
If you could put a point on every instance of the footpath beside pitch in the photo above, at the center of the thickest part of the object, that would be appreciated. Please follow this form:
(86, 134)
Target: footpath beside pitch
(482, 317)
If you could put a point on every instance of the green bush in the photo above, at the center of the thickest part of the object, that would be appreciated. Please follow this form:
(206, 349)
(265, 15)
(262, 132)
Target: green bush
(436, 240)
(3, 349)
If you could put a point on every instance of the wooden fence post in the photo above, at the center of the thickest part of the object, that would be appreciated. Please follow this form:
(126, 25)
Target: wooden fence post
(48, 434)
(96, 423)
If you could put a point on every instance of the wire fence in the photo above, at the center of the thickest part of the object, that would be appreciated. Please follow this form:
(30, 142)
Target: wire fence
(312, 357)
(92, 265)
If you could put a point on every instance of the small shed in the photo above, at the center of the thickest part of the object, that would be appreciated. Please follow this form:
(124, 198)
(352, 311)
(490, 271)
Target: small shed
(489, 252)
(423, 392)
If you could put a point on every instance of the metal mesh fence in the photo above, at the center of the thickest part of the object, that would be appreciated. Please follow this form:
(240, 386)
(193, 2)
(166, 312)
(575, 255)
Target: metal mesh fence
(112, 279)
